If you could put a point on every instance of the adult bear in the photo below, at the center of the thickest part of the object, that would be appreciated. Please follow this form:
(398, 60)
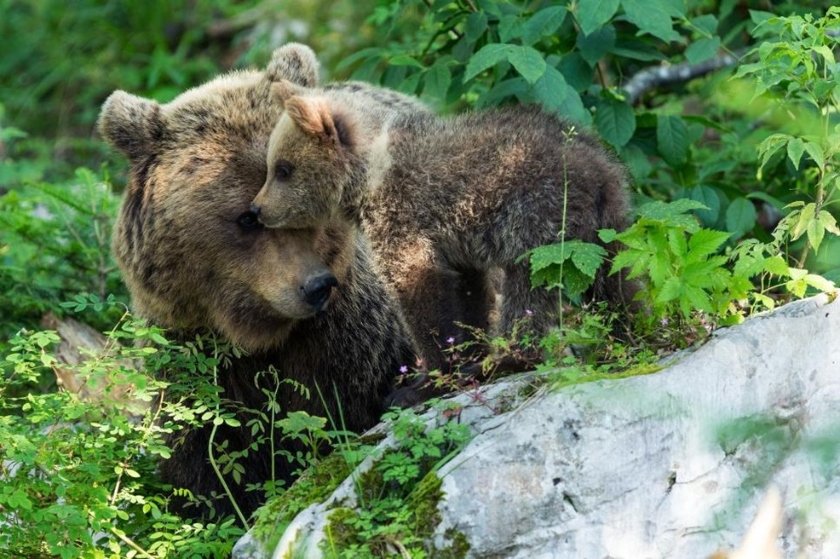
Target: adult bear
(307, 302)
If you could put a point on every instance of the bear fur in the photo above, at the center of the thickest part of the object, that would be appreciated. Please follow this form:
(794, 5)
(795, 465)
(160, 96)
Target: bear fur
(445, 201)
(195, 258)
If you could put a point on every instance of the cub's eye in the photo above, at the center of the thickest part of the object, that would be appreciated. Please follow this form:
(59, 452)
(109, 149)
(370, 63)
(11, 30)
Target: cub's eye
(248, 221)
(283, 170)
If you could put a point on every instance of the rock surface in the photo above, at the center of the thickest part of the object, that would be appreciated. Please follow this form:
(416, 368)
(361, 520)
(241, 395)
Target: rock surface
(672, 464)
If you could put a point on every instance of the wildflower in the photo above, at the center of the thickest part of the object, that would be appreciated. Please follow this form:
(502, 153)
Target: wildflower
(450, 340)
(529, 312)
(403, 369)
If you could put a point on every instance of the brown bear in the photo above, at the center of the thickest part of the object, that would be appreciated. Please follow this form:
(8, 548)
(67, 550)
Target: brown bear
(445, 200)
(308, 302)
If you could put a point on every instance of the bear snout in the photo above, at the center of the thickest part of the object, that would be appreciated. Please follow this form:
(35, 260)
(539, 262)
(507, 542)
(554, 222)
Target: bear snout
(317, 289)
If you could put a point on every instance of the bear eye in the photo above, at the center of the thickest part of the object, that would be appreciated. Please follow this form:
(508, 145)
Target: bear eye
(283, 170)
(249, 221)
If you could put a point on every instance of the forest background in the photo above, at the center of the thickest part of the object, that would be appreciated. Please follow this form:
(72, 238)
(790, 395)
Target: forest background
(734, 173)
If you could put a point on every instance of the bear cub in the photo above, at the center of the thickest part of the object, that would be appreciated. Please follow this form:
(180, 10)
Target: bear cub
(445, 201)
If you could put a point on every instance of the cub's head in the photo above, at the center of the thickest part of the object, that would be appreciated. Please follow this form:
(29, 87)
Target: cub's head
(325, 149)
(311, 159)
(192, 252)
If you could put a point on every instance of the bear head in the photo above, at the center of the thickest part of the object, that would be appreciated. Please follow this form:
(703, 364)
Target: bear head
(192, 252)
(329, 146)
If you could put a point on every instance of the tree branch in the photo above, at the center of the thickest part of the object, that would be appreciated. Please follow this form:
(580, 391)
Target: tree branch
(652, 78)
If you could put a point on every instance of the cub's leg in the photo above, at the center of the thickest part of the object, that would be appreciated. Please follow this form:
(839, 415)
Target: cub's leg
(429, 292)
(536, 308)
(477, 297)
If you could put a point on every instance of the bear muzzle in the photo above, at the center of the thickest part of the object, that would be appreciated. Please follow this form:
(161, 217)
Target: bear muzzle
(317, 289)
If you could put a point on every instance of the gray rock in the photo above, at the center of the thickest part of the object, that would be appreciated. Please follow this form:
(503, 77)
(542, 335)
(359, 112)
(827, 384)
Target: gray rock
(672, 464)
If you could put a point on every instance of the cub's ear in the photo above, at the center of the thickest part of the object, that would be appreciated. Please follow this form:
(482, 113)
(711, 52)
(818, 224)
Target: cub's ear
(294, 62)
(285, 90)
(131, 124)
(315, 116)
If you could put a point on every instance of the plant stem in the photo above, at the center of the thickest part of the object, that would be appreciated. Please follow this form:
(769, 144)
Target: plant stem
(213, 463)
(130, 543)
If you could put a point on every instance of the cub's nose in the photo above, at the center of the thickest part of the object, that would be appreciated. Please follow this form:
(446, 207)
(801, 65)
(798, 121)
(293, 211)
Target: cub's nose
(255, 209)
(316, 290)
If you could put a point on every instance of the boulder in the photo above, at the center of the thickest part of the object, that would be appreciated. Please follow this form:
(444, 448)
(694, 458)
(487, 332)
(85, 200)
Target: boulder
(671, 464)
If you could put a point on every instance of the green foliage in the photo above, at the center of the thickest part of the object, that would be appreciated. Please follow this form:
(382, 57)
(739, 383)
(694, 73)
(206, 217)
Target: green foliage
(797, 73)
(54, 244)
(669, 247)
(570, 265)
(315, 484)
(78, 475)
(87, 461)
(398, 496)
(487, 53)
(59, 63)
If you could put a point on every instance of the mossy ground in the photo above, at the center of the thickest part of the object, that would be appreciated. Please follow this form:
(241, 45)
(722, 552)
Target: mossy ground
(313, 486)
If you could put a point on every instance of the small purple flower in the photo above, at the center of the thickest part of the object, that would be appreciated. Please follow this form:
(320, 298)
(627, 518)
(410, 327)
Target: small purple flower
(450, 340)
(403, 369)
(529, 312)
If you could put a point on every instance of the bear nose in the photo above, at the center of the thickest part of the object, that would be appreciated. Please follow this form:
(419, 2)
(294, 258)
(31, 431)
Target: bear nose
(316, 290)
(255, 209)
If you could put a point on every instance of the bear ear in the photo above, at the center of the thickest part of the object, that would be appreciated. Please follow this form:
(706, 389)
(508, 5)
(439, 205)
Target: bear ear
(130, 123)
(294, 62)
(285, 90)
(315, 116)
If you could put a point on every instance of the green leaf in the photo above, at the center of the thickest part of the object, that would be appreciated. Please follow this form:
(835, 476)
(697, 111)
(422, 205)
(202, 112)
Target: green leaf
(650, 17)
(528, 62)
(637, 50)
(510, 26)
(705, 242)
(574, 282)
(616, 121)
(555, 94)
(795, 148)
(672, 139)
(816, 153)
(577, 72)
(594, 46)
(404, 60)
(672, 213)
(816, 232)
(797, 284)
(547, 255)
(488, 56)
(819, 282)
(592, 14)
(436, 81)
(475, 26)
(607, 235)
(710, 200)
(588, 257)
(677, 242)
(828, 222)
(671, 289)
(740, 216)
(513, 87)
(702, 50)
(770, 146)
(826, 53)
(544, 22)
(758, 16)
(776, 265)
(706, 23)
(806, 216)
